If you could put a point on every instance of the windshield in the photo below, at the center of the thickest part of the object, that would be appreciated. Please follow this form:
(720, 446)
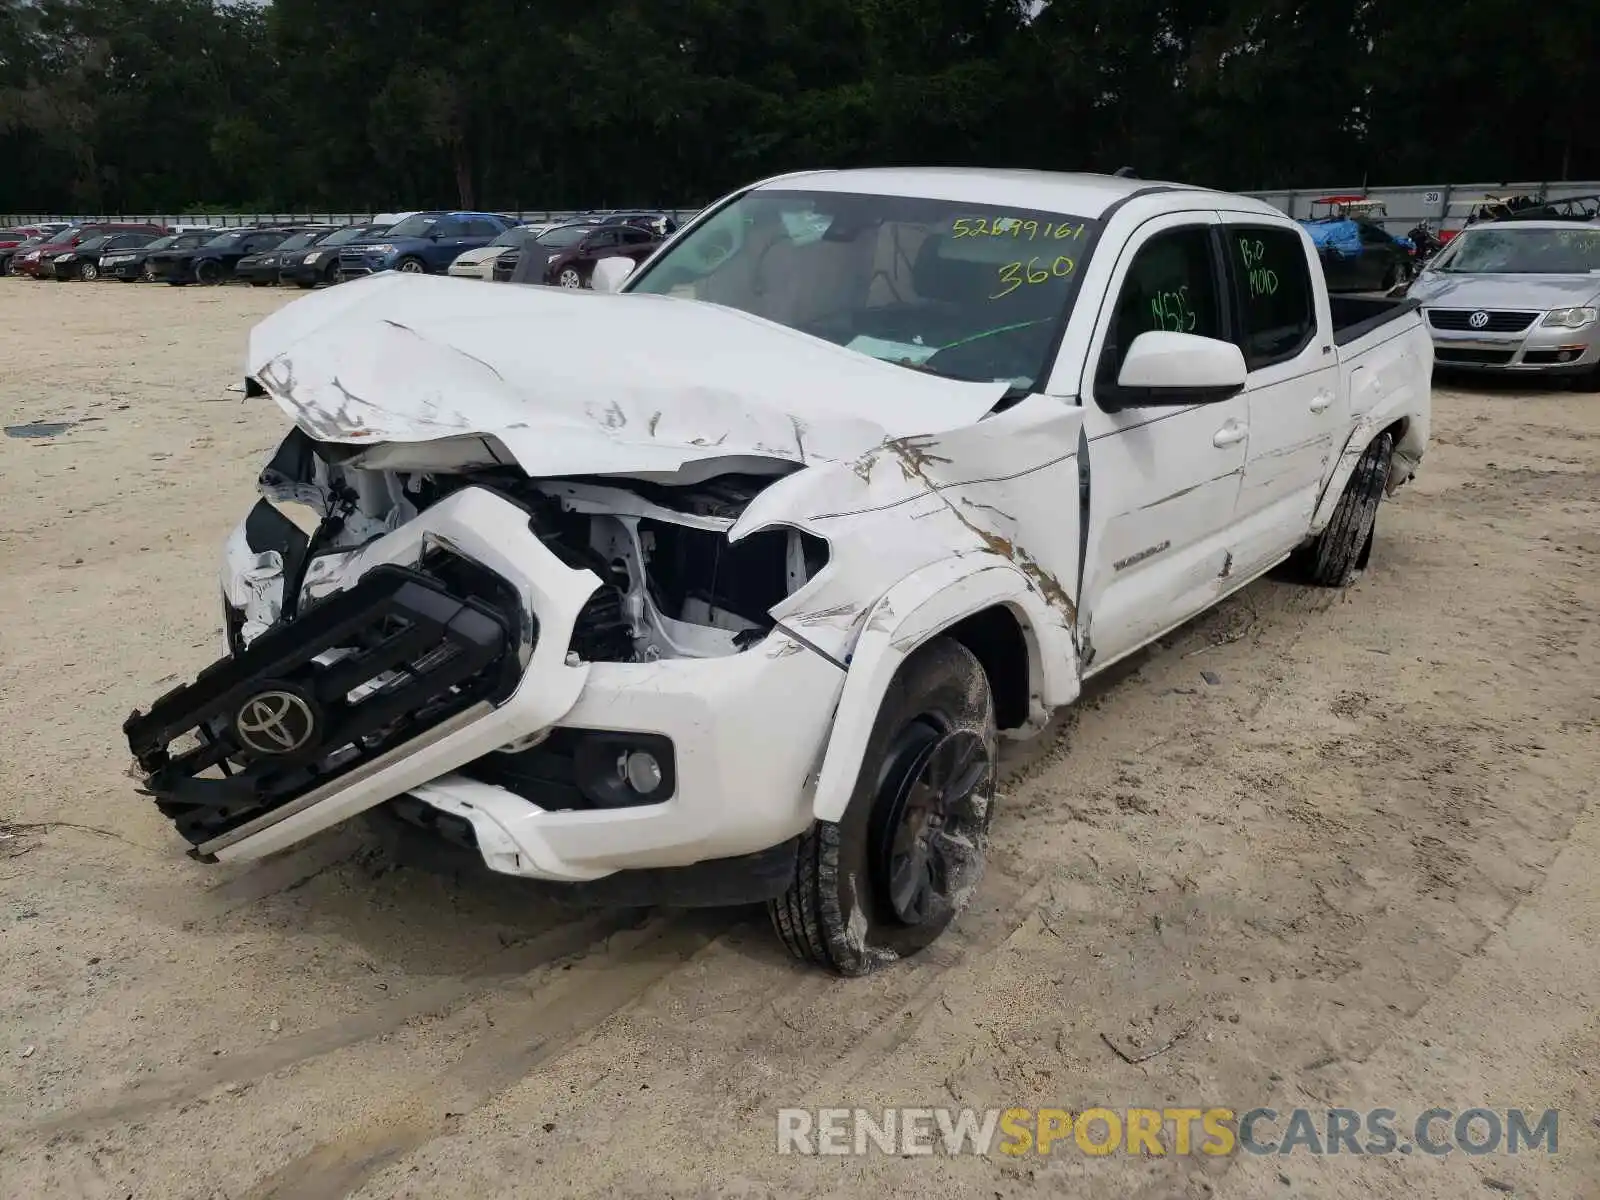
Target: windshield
(1505, 250)
(299, 241)
(514, 237)
(95, 242)
(349, 234)
(226, 239)
(563, 235)
(161, 243)
(968, 291)
(413, 227)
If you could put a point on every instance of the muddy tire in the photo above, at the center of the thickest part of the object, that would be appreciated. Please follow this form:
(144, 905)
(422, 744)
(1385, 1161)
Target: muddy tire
(888, 879)
(1338, 555)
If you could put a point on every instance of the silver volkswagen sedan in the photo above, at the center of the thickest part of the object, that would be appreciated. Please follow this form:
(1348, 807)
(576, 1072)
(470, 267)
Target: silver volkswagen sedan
(1517, 296)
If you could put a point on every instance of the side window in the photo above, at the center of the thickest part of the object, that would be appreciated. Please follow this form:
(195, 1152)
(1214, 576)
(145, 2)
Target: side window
(446, 227)
(481, 228)
(600, 239)
(1273, 283)
(1373, 236)
(636, 237)
(1171, 285)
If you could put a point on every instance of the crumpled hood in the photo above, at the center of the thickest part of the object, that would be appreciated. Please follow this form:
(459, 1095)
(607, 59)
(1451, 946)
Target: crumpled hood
(1440, 289)
(572, 382)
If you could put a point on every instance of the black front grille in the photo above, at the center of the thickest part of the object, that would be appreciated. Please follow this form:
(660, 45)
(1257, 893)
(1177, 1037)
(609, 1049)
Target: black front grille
(1458, 354)
(401, 651)
(1460, 320)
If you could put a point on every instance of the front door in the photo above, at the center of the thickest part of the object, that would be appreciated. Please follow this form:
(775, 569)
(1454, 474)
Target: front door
(1297, 408)
(1163, 482)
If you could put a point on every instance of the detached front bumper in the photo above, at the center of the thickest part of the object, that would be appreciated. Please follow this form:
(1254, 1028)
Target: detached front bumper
(509, 743)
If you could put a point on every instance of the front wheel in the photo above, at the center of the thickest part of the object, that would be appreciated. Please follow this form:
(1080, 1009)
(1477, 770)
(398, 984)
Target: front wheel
(147, 273)
(570, 277)
(411, 266)
(89, 272)
(1338, 555)
(208, 272)
(889, 878)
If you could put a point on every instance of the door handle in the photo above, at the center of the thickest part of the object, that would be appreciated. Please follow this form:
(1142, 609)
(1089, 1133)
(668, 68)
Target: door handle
(1321, 401)
(1228, 435)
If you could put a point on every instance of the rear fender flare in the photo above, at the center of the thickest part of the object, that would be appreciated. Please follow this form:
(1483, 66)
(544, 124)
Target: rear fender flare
(918, 608)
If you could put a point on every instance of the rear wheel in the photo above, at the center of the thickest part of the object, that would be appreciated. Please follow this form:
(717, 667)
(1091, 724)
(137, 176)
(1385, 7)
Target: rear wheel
(208, 272)
(1338, 555)
(886, 880)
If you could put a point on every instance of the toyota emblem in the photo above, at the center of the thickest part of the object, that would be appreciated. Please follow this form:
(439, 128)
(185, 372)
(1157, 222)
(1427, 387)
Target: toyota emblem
(1478, 320)
(275, 722)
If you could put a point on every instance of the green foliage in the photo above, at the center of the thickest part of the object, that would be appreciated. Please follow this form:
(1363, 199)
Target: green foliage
(134, 105)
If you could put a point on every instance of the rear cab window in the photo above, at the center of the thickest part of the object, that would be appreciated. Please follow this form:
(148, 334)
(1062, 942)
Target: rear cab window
(1273, 293)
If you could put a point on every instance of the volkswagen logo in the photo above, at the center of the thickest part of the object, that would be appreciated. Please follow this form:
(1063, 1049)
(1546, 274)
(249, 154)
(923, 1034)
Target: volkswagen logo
(1478, 320)
(275, 722)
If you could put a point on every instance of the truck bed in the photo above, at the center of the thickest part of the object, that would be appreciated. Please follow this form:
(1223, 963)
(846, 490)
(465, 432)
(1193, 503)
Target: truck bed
(1356, 316)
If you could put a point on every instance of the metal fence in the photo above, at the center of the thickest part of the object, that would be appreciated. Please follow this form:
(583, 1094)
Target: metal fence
(1439, 203)
(235, 220)
(1445, 205)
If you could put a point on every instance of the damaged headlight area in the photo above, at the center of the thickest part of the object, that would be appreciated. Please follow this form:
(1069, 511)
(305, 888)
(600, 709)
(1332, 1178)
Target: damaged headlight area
(673, 583)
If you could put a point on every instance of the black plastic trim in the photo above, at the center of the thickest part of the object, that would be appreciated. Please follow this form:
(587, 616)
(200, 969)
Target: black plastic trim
(447, 652)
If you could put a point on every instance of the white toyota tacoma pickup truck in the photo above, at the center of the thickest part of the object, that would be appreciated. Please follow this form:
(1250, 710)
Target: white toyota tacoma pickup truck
(718, 583)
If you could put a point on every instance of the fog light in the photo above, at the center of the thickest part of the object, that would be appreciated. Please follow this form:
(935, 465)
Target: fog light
(621, 769)
(641, 770)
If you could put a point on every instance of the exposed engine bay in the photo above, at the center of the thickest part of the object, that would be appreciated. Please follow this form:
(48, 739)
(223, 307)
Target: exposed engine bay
(673, 584)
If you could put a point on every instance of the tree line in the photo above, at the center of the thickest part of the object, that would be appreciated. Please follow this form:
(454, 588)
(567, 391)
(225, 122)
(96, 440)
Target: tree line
(158, 105)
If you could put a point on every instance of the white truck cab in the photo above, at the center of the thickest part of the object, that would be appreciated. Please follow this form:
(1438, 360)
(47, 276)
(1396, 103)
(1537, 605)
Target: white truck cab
(719, 583)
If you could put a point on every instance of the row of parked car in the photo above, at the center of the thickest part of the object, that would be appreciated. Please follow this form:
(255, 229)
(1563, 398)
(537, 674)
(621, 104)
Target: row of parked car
(477, 245)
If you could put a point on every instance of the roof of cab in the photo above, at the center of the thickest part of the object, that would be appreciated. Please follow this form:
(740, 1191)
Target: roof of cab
(1082, 195)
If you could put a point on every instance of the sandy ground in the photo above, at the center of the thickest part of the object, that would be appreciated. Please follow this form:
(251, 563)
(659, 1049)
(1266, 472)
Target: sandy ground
(1358, 869)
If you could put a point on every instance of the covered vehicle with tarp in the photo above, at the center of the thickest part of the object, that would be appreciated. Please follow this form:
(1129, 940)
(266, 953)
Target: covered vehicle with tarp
(1340, 237)
(1359, 255)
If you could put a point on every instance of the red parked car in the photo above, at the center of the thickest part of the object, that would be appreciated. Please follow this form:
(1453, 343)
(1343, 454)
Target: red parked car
(13, 237)
(27, 262)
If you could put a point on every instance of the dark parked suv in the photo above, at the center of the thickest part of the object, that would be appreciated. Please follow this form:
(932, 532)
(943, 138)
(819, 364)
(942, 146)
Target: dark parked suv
(213, 261)
(129, 265)
(426, 243)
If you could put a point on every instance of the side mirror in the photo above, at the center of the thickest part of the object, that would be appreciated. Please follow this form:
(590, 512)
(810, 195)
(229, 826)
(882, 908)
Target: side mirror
(1171, 369)
(610, 273)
